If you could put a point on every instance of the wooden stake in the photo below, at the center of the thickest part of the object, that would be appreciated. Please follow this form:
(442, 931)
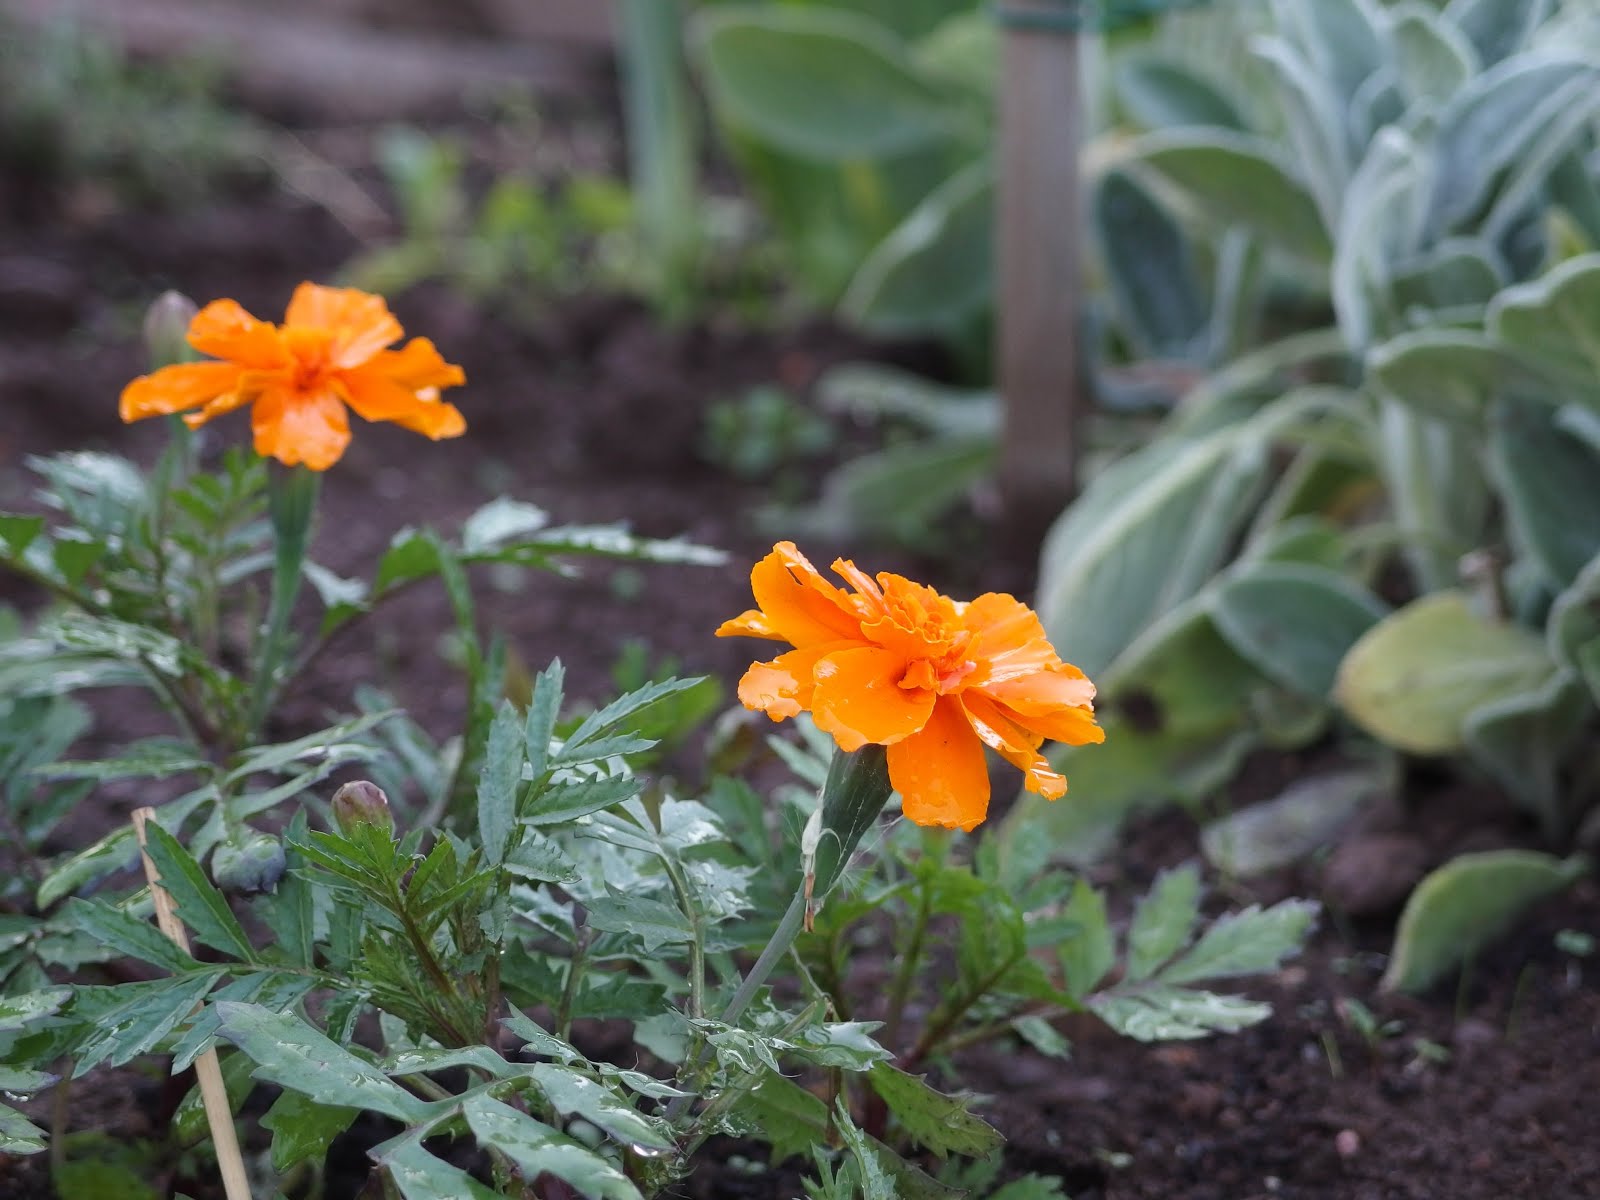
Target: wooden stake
(1039, 212)
(208, 1071)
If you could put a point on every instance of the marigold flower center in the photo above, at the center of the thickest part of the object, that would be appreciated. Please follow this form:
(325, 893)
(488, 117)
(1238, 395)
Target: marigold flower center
(308, 350)
(927, 628)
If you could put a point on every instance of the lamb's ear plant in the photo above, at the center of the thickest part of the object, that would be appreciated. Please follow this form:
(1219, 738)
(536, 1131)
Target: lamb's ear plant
(1437, 188)
(441, 960)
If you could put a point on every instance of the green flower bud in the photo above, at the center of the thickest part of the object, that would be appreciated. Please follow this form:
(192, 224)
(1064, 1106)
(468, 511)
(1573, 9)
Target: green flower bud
(254, 864)
(361, 803)
(166, 329)
(854, 793)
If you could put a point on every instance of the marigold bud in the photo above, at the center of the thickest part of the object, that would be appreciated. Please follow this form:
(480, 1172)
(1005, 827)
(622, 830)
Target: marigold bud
(853, 795)
(362, 803)
(254, 864)
(166, 329)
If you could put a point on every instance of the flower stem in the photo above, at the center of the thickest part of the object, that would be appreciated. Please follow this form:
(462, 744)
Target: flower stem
(292, 499)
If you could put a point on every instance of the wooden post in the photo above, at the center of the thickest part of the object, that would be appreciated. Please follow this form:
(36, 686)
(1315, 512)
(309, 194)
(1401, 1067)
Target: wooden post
(1039, 214)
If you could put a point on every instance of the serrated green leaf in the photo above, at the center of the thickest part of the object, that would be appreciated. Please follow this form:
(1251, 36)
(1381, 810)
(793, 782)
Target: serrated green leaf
(935, 1121)
(543, 710)
(538, 1149)
(623, 707)
(572, 1093)
(498, 782)
(1090, 950)
(1465, 905)
(655, 923)
(16, 532)
(1250, 942)
(785, 1115)
(289, 1052)
(542, 860)
(421, 1176)
(303, 1129)
(873, 1178)
(540, 1040)
(155, 758)
(201, 907)
(500, 521)
(564, 802)
(18, 1135)
(18, 1012)
(1155, 1013)
(147, 1013)
(126, 934)
(1162, 921)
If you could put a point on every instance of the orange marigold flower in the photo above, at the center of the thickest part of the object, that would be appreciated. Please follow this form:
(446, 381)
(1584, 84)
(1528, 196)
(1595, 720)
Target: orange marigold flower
(299, 377)
(935, 680)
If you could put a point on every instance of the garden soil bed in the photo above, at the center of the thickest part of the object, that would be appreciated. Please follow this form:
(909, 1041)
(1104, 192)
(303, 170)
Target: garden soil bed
(1486, 1091)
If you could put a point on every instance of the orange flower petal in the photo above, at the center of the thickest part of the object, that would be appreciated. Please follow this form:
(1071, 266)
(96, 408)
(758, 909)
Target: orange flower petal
(417, 365)
(782, 688)
(940, 771)
(1007, 635)
(1073, 726)
(360, 322)
(801, 606)
(223, 329)
(300, 427)
(177, 388)
(858, 698)
(1015, 743)
(376, 398)
(1062, 686)
(750, 623)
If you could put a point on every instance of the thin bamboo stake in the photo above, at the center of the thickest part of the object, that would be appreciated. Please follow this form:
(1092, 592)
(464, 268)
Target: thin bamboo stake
(213, 1092)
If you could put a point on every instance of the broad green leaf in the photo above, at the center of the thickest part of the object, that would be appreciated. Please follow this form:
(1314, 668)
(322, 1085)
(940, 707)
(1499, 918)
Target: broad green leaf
(1496, 28)
(1249, 942)
(940, 1123)
(1156, 1013)
(1304, 817)
(1493, 121)
(1547, 322)
(1439, 495)
(538, 1149)
(292, 1054)
(570, 1092)
(126, 934)
(1432, 57)
(420, 1176)
(1162, 921)
(1316, 120)
(200, 906)
(1574, 620)
(901, 491)
(1522, 741)
(1452, 374)
(1234, 177)
(1157, 93)
(1547, 480)
(821, 83)
(1342, 36)
(1150, 268)
(303, 1129)
(1090, 950)
(498, 782)
(1465, 905)
(1414, 677)
(1450, 277)
(1293, 622)
(934, 270)
(1145, 535)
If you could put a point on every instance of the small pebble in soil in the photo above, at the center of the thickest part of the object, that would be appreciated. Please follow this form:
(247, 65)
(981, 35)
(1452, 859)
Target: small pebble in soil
(1371, 874)
(1347, 1143)
(1474, 1033)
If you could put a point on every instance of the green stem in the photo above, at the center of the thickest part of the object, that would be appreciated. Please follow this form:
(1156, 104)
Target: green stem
(940, 1029)
(909, 961)
(697, 945)
(292, 499)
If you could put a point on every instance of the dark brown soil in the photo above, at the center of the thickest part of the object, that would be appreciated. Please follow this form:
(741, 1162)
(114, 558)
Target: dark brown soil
(1482, 1092)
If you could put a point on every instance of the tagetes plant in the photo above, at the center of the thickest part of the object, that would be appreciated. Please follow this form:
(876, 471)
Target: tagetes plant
(935, 680)
(330, 354)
